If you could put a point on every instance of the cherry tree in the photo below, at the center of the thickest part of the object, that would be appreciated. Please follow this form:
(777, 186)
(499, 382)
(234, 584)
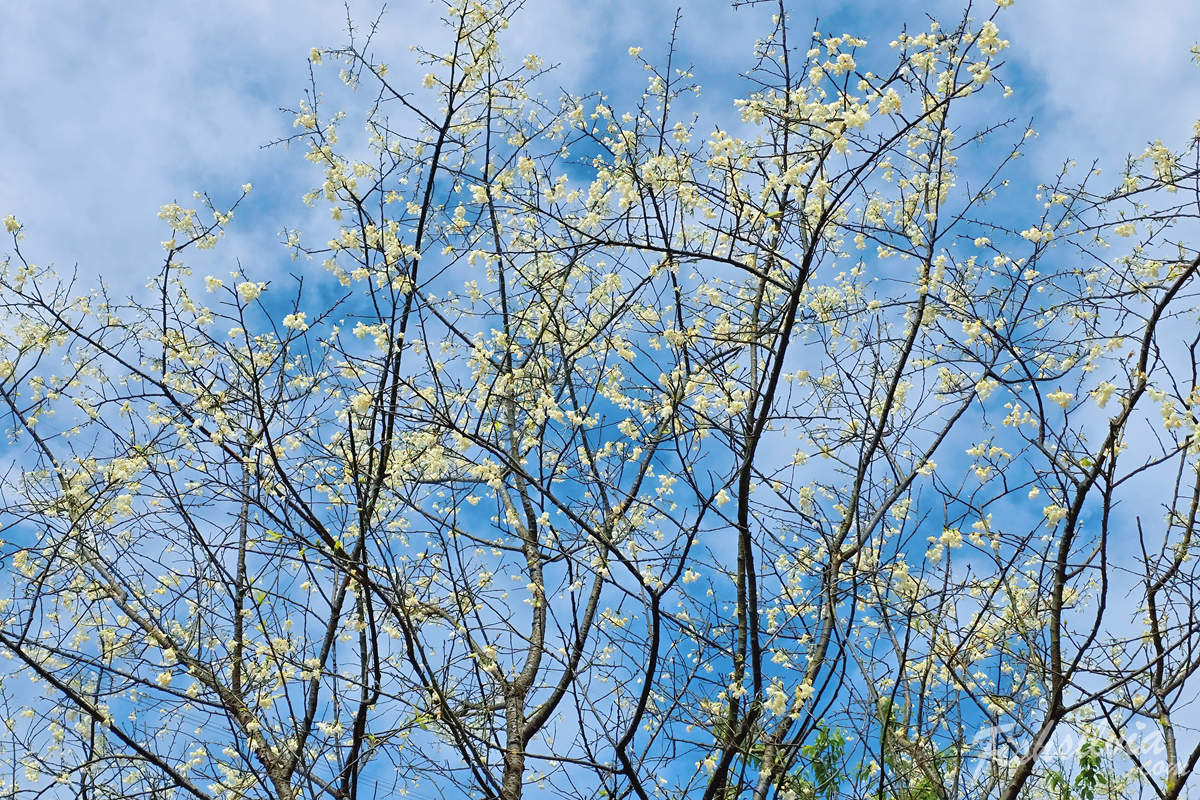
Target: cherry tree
(623, 452)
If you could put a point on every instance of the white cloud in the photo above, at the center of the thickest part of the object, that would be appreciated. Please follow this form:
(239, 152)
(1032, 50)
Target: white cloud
(110, 113)
(1107, 75)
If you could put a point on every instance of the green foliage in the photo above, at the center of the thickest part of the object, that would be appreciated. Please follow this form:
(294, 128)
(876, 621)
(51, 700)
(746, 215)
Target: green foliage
(825, 757)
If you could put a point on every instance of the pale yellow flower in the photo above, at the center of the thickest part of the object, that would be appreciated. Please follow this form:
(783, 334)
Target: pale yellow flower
(1054, 513)
(249, 290)
(295, 321)
(361, 403)
(1102, 393)
(1060, 397)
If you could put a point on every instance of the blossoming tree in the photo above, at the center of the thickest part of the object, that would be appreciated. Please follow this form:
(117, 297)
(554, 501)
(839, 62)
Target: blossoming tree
(622, 452)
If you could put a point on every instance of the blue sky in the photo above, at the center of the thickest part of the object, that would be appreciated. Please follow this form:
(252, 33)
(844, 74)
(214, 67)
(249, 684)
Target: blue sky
(112, 109)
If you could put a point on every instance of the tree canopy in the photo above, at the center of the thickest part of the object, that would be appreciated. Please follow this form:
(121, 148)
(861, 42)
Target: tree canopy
(621, 452)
